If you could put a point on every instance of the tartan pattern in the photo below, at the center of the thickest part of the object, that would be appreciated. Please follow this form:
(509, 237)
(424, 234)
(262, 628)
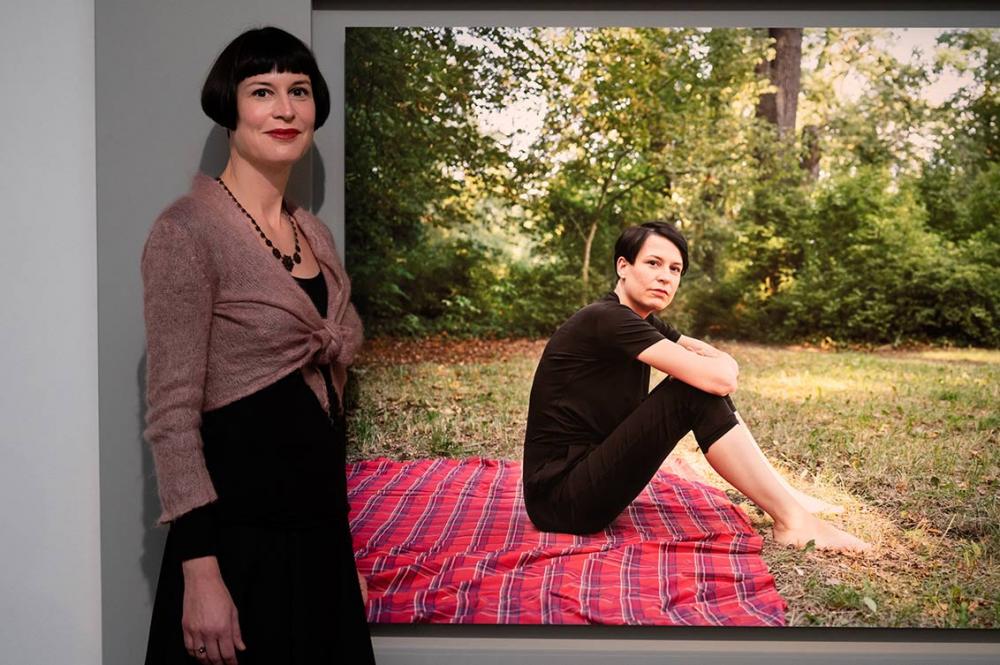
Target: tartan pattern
(449, 541)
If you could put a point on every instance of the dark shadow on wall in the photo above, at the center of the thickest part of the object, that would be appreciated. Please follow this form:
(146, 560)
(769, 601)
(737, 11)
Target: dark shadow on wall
(318, 180)
(215, 153)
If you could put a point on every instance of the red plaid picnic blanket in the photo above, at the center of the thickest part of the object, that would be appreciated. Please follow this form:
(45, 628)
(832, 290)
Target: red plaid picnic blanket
(449, 541)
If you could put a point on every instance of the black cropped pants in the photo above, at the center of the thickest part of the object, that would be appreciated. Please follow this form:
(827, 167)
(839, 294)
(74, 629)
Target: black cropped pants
(608, 476)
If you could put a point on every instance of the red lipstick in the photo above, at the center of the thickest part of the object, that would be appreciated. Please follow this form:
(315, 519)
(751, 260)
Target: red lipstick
(284, 134)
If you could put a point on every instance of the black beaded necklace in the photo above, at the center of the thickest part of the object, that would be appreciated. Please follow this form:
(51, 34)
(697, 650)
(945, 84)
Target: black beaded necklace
(286, 260)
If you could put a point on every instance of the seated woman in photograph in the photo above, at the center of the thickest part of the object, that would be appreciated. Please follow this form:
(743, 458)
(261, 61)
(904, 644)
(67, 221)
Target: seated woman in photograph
(249, 332)
(595, 436)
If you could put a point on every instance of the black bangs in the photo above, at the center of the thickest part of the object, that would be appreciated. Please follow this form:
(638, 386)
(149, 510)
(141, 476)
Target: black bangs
(263, 53)
(260, 51)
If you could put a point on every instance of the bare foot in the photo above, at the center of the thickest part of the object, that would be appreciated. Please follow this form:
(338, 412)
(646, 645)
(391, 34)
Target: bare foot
(814, 505)
(823, 534)
(364, 588)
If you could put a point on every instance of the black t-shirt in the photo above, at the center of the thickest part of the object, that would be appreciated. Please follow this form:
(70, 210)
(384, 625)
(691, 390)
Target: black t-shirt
(587, 382)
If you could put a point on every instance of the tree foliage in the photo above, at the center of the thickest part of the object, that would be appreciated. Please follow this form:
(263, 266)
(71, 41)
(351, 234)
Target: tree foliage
(874, 218)
(415, 157)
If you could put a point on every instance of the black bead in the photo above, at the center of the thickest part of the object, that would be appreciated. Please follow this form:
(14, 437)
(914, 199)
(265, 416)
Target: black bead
(287, 261)
(267, 242)
(277, 254)
(297, 258)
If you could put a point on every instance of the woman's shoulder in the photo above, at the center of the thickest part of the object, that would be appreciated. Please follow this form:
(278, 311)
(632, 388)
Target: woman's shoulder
(186, 212)
(582, 324)
(606, 309)
(187, 223)
(194, 215)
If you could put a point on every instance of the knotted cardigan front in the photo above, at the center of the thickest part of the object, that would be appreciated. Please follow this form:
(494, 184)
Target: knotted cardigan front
(224, 319)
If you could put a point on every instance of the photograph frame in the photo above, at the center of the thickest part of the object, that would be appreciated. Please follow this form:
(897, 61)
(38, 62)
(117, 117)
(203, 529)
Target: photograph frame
(550, 644)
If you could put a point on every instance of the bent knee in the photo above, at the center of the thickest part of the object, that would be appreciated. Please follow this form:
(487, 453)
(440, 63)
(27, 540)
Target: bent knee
(697, 396)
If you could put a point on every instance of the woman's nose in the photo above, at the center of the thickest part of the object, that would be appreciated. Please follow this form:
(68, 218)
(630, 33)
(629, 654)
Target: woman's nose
(283, 107)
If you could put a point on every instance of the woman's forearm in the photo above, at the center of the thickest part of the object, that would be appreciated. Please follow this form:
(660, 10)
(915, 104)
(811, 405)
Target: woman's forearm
(716, 374)
(699, 347)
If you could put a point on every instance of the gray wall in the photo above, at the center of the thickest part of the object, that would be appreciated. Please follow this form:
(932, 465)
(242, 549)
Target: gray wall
(152, 137)
(49, 516)
(328, 158)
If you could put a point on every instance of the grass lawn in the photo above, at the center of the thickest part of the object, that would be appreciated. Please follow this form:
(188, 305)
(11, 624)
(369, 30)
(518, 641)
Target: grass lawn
(907, 441)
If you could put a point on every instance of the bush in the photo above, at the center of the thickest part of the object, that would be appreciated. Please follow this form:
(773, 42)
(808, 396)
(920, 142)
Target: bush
(869, 271)
(876, 274)
(465, 289)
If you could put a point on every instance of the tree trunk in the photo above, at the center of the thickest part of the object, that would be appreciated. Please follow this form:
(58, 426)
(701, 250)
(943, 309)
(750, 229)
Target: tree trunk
(585, 277)
(785, 73)
(810, 141)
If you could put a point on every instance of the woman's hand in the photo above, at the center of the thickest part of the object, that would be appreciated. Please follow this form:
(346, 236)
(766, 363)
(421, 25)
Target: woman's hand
(706, 350)
(697, 346)
(210, 619)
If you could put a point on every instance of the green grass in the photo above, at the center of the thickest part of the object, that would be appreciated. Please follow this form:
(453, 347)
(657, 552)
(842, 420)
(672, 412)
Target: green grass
(431, 409)
(907, 441)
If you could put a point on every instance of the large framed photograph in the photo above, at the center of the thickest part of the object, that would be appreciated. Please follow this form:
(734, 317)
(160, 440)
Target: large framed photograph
(836, 186)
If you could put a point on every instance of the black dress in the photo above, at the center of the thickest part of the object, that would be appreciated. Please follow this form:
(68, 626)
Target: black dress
(279, 530)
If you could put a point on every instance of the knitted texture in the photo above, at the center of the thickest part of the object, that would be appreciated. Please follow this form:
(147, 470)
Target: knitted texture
(224, 319)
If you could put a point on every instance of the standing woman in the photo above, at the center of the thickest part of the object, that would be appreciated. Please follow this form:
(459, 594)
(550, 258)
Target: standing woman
(249, 332)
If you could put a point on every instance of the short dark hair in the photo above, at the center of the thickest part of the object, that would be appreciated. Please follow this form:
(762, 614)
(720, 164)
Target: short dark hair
(260, 51)
(632, 239)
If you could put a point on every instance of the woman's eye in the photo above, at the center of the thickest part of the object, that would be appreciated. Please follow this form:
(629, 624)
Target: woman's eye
(260, 92)
(300, 92)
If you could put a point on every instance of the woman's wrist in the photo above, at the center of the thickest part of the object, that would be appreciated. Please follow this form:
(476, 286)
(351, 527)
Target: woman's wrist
(201, 569)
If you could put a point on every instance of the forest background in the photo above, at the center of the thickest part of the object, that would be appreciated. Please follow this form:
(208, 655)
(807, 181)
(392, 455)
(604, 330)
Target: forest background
(825, 198)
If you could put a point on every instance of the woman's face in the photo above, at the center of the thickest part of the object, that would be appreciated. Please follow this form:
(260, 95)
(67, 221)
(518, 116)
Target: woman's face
(276, 115)
(649, 284)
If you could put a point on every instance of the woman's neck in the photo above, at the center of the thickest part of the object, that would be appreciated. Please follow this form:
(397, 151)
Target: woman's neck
(260, 192)
(625, 300)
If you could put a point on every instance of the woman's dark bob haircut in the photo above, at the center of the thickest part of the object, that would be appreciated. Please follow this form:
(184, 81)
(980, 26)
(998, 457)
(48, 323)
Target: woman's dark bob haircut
(260, 51)
(632, 239)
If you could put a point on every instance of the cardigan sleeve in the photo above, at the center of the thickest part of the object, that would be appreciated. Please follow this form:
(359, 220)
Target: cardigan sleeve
(177, 306)
(195, 533)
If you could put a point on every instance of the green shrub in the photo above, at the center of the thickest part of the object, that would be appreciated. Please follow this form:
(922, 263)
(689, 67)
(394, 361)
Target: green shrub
(859, 265)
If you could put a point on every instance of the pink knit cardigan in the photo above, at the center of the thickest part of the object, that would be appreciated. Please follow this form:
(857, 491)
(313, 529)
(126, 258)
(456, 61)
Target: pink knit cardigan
(223, 320)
